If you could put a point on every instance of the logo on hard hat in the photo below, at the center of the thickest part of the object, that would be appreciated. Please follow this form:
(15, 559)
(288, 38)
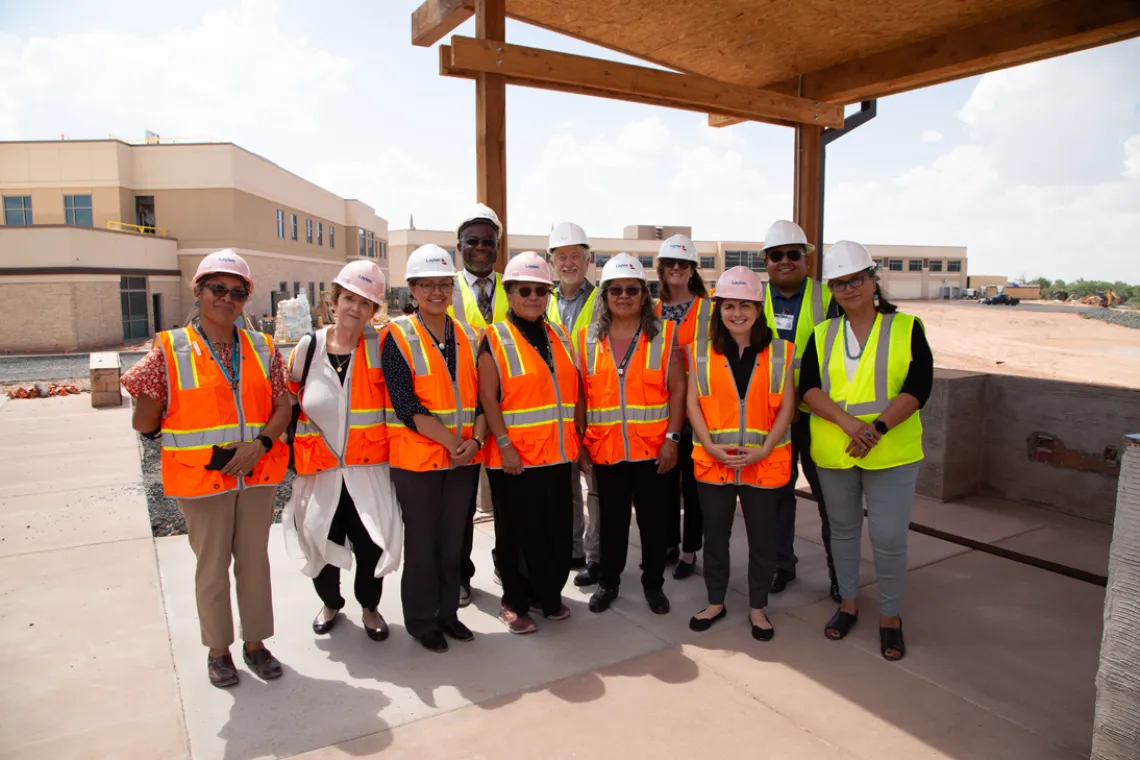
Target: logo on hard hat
(224, 258)
(530, 266)
(738, 282)
(362, 277)
(435, 260)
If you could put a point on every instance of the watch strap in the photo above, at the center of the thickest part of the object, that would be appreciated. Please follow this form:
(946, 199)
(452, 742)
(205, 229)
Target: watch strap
(265, 441)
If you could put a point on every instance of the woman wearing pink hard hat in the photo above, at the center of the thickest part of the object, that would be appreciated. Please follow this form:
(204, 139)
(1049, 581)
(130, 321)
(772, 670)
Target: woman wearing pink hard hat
(216, 395)
(344, 506)
(741, 400)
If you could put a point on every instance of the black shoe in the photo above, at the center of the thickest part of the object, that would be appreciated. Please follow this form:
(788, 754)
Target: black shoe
(589, 576)
(577, 563)
(658, 602)
(781, 580)
(433, 642)
(683, 569)
(376, 634)
(320, 628)
(464, 594)
(602, 598)
(703, 624)
(457, 631)
(761, 634)
(672, 555)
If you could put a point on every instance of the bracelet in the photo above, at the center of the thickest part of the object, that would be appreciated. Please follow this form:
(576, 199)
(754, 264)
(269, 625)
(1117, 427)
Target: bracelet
(503, 440)
(478, 442)
(154, 434)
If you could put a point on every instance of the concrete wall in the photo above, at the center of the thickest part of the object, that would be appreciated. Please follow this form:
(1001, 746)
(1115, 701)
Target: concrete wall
(978, 430)
(69, 312)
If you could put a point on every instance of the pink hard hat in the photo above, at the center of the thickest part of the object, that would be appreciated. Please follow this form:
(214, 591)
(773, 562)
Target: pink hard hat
(528, 266)
(363, 278)
(741, 283)
(225, 261)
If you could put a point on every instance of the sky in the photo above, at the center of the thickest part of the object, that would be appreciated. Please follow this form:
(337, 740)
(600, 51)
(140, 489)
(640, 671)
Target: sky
(1036, 170)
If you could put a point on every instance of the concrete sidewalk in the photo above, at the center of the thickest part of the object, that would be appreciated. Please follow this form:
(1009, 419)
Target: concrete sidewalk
(99, 626)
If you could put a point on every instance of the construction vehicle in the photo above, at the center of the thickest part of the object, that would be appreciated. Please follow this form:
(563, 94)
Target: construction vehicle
(1103, 298)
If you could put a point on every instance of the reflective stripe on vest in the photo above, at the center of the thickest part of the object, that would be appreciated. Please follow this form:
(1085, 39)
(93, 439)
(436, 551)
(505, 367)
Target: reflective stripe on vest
(777, 366)
(882, 400)
(465, 304)
(451, 418)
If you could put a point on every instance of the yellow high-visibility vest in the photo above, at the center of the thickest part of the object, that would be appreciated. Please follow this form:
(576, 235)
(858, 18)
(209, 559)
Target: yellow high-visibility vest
(813, 310)
(465, 304)
(584, 318)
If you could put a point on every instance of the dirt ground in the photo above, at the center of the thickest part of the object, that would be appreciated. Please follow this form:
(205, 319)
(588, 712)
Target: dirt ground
(1011, 341)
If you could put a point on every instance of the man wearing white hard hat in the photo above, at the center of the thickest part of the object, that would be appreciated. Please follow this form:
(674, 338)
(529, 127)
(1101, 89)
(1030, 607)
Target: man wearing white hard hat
(794, 303)
(344, 508)
(865, 376)
(436, 440)
(216, 396)
(529, 384)
(572, 306)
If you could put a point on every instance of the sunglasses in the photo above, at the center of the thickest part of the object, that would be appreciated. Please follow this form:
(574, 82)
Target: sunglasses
(675, 264)
(777, 256)
(539, 290)
(221, 291)
(838, 286)
(630, 290)
(472, 242)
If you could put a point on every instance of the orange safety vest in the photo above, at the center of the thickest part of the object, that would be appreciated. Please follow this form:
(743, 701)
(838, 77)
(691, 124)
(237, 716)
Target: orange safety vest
(730, 425)
(695, 325)
(366, 440)
(452, 402)
(537, 405)
(203, 411)
(627, 414)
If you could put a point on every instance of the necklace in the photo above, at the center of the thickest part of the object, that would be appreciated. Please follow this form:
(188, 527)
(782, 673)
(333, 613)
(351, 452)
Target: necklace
(846, 345)
(339, 365)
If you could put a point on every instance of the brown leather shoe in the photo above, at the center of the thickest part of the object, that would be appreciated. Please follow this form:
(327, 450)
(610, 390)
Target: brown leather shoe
(222, 671)
(262, 662)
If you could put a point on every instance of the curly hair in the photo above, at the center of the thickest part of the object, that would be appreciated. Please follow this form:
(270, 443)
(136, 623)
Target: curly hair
(650, 324)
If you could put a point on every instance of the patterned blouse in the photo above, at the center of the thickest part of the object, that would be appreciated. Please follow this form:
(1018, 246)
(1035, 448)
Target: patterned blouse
(148, 377)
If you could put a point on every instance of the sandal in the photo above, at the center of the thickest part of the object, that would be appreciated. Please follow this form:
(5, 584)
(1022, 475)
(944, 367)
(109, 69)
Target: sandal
(892, 638)
(842, 622)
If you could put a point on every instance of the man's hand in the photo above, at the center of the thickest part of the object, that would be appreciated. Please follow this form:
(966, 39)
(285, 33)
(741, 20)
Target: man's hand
(666, 456)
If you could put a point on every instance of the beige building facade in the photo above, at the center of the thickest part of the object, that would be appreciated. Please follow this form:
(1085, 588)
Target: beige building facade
(110, 233)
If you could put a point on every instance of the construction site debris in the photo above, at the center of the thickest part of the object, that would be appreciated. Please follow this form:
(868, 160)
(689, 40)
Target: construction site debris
(1123, 317)
(44, 390)
(294, 319)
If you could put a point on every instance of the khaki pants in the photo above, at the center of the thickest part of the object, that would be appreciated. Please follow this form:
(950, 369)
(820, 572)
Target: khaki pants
(234, 524)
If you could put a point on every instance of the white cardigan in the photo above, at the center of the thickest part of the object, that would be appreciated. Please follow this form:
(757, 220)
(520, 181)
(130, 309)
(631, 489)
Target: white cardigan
(308, 515)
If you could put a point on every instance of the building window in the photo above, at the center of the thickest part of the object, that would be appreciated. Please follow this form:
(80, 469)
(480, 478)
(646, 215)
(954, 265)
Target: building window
(132, 298)
(332, 236)
(293, 225)
(363, 242)
(754, 260)
(953, 266)
(281, 225)
(17, 209)
(708, 262)
(654, 288)
(601, 260)
(322, 290)
(77, 210)
(894, 265)
(646, 261)
(383, 246)
(312, 293)
(308, 230)
(320, 233)
(914, 265)
(296, 288)
(936, 265)
(283, 286)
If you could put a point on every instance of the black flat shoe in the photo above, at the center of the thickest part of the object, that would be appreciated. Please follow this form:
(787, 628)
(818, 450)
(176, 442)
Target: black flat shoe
(703, 624)
(589, 575)
(683, 570)
(433, 642)
(781, 580)
(658, 602)
(602, 598)
(892, 638)
(377, 634)
(672, 555)
(761, 634)
(457, 631)
(841, 622)
(320, 628)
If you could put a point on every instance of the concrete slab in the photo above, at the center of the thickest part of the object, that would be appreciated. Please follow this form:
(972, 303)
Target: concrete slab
(84, 652)
(981, 519)
(63, 519)
(1018, 641)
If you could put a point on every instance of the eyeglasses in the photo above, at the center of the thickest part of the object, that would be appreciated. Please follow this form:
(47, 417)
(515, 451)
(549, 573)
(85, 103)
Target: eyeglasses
(675, 264)
(539, 290)
(472, 242)
(777, 256)
(432, 287)
(221, 291)
(630, 290)
(856, 281)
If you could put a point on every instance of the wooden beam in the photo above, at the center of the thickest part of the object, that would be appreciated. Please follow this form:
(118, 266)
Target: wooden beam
(1060, 27)
(491, 121)
(806, 189)
(436, 19)
(550, 70)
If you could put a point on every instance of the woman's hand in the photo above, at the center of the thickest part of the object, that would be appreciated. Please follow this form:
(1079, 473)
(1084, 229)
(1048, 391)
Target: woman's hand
(666, 456)
(754, 454)
(863, 436)
(721, 454)
(243, 461)
(512, 462)
(464, 453)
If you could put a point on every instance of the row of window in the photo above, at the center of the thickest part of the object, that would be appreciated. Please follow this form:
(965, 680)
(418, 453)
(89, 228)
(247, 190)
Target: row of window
(76, 210)
(320, 229)
(371, 246)
(917, 265)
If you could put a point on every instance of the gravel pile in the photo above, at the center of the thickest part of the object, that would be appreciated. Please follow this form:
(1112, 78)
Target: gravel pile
(1125, 318)
(24, 369)
(165, 519)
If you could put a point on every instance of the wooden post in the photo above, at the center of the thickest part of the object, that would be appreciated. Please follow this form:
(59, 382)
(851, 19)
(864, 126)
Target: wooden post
(806, 190)
(491, 123)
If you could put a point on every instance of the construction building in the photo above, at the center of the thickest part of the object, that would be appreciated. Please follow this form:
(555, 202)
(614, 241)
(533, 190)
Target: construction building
(100, 238)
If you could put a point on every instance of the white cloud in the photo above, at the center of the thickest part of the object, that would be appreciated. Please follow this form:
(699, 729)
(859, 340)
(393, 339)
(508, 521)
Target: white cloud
(931, 136)
(1132, 157)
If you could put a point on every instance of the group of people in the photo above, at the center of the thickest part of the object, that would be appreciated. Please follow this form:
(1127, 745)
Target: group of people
(580, 404)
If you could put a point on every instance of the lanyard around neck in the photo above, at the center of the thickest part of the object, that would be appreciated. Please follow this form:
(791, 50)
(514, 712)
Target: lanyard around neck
(235, 354)
(629, 351)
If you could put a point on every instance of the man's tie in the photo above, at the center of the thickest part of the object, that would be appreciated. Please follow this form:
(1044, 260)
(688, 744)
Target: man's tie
(484, 284)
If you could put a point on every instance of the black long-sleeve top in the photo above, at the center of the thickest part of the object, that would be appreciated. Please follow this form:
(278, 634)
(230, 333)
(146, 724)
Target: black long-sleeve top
(919, 380)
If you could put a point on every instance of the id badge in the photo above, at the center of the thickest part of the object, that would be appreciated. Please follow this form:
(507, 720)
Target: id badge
(785, 321)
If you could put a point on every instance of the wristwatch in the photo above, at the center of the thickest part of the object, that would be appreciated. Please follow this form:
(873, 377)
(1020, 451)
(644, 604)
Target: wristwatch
(265, 441)
(880, 426)
(674, 437)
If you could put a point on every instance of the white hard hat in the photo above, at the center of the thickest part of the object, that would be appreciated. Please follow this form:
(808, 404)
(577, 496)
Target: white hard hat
(783, 232)
(363, 278)
(429, 261)
(528, 266)
(844, 258)
(678, 247)
(481, 213)
(623, 265)
(567, 233)
(225, 261)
